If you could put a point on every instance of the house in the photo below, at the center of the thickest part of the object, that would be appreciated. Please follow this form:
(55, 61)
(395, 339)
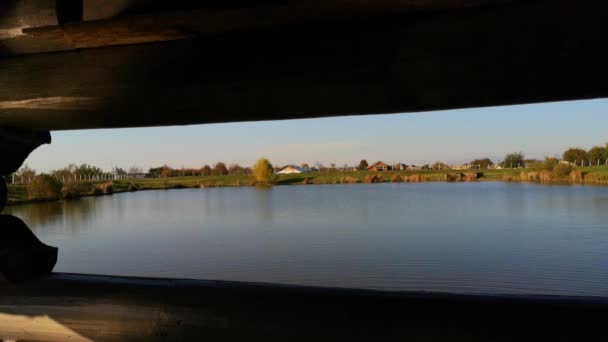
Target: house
(292, 169)
(379, 166)
(400, 166)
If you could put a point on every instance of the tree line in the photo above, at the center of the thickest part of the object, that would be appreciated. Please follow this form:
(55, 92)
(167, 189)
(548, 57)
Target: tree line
(597, 155)
(75, 172)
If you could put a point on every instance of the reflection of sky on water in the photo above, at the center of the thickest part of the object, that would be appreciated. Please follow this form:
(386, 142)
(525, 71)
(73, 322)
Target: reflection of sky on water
(481, 237)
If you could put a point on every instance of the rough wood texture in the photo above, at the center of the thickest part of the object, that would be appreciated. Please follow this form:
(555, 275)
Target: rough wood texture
(488, 56)
(31, 27)
(118, 309)
(146, 28)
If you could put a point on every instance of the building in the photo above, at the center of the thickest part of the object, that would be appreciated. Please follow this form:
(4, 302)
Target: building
(292, 169)
(379, 166)
(400, 166)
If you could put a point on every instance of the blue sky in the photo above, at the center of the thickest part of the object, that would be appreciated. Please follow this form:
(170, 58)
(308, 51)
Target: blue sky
(453, 136)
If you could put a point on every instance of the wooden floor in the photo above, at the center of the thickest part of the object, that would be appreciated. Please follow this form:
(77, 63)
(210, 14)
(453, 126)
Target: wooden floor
(97, 308)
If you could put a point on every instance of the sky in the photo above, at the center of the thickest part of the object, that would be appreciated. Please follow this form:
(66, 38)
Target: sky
(454, 136)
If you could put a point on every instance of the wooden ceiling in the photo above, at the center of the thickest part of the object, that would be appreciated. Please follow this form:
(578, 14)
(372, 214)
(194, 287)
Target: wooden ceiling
(125, 22)
(227, 64)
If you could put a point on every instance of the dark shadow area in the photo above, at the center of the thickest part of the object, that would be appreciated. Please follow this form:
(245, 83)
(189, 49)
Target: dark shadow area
(69, 11)
(22, 255)
(3, 193)
(115, 308)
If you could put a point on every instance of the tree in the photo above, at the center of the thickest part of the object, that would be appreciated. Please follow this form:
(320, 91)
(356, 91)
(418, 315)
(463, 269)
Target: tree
(135, 170)
(154, 172)
(363, 165)
(513, 160)
(206, 170)
(263, 171)
(219, 169)
(119, 171)
(86, 170)
(598, 153)
(235, 169)
(575, 155)
(439, 166)
(166, 171)
(26, 172)
(483, 163)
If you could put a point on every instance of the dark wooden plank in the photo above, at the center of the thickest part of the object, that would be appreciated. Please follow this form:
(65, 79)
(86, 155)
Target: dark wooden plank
(116, 308)
(163, 26)
(503, 55)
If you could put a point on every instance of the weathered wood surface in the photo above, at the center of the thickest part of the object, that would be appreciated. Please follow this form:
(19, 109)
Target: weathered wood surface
(101, 308)
(521, 53)
(155, 27)
(28, 27)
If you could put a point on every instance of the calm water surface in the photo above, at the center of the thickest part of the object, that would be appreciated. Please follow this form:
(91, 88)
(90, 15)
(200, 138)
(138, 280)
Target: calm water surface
(467, 237)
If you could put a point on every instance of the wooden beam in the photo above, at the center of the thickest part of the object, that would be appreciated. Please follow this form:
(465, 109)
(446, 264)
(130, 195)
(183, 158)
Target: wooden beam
(102, 308)
(522, 53)
(163, 26)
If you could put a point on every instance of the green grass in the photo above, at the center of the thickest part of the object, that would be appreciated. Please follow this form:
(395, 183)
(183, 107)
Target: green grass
(18, 193)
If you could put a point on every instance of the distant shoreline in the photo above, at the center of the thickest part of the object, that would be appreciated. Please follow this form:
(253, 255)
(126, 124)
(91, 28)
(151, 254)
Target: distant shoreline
(18, 194)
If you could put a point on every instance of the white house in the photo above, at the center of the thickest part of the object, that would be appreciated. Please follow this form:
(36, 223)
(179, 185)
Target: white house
(292, 169)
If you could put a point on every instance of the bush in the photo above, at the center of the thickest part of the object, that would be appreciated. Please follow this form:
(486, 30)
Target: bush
(348, 180)
(452, 178)
(529, 176)
(70, 190)
(549, 164)
(576, 176)
(546, 176)
(397, 178)
(133, 186)
(373, 179)
(473, 176)
(103, 189)
(45, 187)
(562, 170)
(417, 178)
(263, 171)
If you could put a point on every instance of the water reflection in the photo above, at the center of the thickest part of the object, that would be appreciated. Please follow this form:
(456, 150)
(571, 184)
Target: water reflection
(71, 215)
(263, 200)
(462, 237)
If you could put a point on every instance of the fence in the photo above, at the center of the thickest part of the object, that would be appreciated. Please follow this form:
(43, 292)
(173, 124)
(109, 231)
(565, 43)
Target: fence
(15, 179)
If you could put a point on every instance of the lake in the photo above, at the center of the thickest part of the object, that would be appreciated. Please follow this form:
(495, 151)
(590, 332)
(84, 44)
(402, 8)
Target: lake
(488, 237)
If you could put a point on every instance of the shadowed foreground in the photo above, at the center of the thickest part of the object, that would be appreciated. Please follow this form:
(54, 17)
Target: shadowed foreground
(114, 308)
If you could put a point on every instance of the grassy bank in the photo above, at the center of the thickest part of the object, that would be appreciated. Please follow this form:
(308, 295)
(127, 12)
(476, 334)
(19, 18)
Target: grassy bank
(587, 175)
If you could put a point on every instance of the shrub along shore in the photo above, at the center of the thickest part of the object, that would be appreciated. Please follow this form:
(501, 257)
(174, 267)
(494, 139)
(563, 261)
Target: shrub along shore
(48, 190)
